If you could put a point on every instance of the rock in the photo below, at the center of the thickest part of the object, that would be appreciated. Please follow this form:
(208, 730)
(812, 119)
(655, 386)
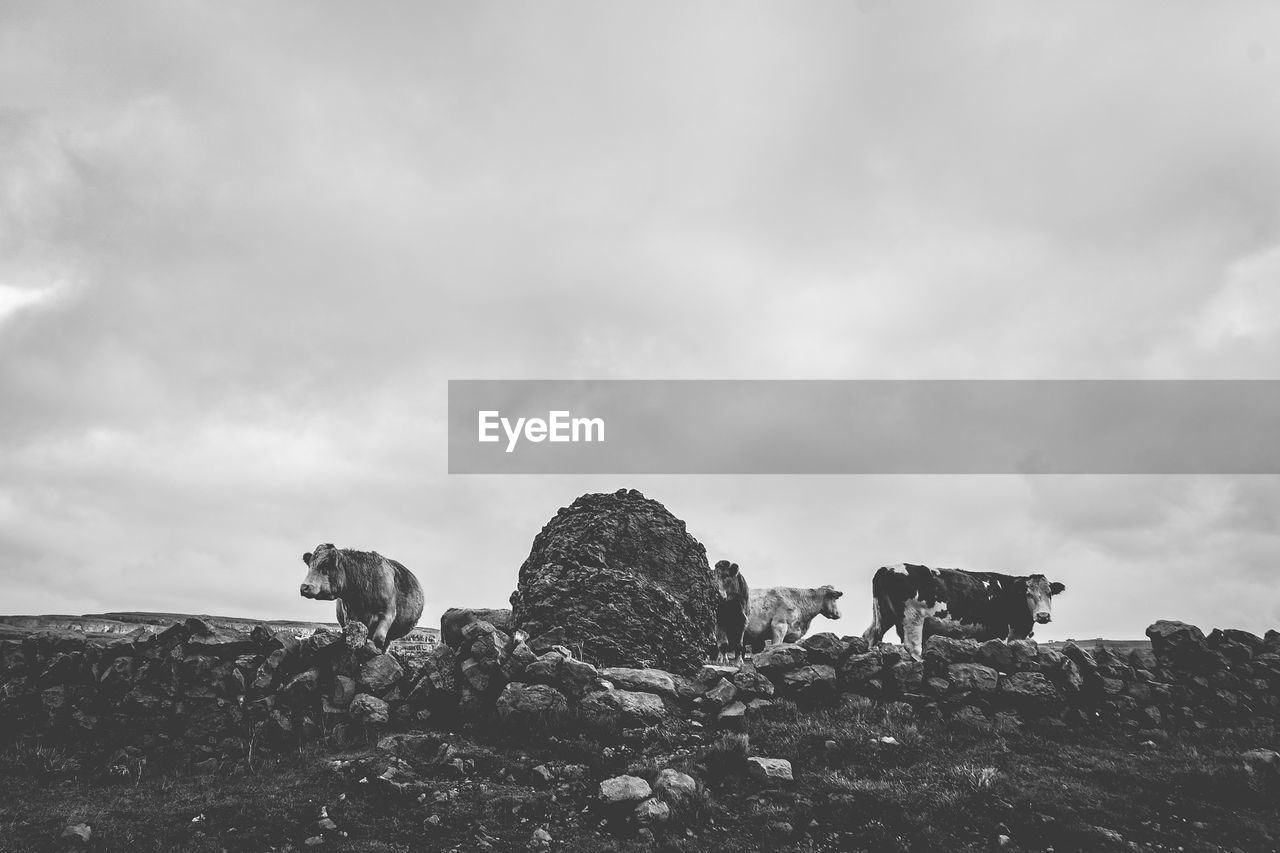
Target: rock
(341, 692)
(521, 657)
(77, 834)
(477, 674)
(355, 634)
(531, 702)
(751, 682)
(971, 716)
(1024, 653)
(541, 776)
(547, 640)
(368, 709)
(778, 658)
(1082, 659)
(1263, 765)
(321, 643)
(217, 642)
(733, 717)
(578, 677)
(810, 679)
(544, 670)
(674, 787)
(302, 685)
(857, 669)
(652, 811)
(1179, 644)
(711, 673)
(996, 654)
(625, 789)
(623, 708)
(642, 680)
(972, 676)
(420, 747)
(769, 769)
(825, 647)
(720, 695)
(621, 576)
(1030, 689)
(1254, 643)
(941, 652)
(689, 689)
(541, 839)
(379, 674)
(483, 641)
(265, 675)
(907, 676)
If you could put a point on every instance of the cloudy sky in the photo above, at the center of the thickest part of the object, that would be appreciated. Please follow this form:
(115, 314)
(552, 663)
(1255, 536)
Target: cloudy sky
(244, 247)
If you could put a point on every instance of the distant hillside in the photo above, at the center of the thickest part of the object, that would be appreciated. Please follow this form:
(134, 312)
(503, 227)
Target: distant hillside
(120, 623)
(1121, 647)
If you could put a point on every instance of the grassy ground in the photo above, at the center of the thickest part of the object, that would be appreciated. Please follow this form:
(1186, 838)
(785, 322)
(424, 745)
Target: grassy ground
(941, 786)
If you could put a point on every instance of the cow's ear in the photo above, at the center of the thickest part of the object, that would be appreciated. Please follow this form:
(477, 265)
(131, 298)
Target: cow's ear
(306, 558)
(1056, 588)
(835, 593)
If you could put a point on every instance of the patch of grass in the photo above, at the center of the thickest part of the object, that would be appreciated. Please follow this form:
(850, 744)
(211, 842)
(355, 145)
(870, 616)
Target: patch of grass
(30, 760)
(727, 757)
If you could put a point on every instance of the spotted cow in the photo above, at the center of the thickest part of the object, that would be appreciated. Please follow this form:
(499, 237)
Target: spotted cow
(989, 605)
(783, 613)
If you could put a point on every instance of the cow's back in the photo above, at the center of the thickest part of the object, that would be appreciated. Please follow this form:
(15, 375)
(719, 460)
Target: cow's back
(409, 601)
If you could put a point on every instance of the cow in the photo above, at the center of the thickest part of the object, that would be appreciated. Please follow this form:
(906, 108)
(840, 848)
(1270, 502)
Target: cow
(731, 611)
(368, 587)
(783, 613)
(453, 620)
(990, 605)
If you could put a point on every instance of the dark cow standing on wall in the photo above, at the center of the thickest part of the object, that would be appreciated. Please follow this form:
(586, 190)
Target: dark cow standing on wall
(368, 587)
(731, 610)
(998, 606)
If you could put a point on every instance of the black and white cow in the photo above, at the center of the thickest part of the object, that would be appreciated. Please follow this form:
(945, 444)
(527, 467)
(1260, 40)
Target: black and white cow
(993, 605)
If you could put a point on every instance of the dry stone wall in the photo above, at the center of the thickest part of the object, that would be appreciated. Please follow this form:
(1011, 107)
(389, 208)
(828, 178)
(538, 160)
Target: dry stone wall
(208, 697)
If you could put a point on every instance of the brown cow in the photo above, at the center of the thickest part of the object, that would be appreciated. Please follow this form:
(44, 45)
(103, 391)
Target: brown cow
(783, 613)
(368, 587)
(453, 620)
(731, 610)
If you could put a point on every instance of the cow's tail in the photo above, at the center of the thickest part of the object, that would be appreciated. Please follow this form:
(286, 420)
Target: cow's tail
(881, 608)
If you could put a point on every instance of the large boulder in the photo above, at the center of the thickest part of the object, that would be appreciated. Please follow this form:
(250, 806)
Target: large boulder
(624, 580)
(1179, 644)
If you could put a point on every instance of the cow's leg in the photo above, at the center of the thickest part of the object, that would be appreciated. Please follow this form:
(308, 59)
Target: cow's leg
(779, 631)
(722, 645)
(738, 641)
(875, 632)
(381, 627)
(913, 628)
(342, 614)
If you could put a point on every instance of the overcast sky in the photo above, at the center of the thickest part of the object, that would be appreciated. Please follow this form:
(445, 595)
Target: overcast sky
(244, 246)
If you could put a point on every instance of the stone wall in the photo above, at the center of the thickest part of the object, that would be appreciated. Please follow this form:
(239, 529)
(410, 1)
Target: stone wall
(209, 697)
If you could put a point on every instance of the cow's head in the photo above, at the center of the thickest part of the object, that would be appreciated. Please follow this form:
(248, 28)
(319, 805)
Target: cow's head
(830, 609)
(1040, 593)
(729, 582)
(323, 581)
